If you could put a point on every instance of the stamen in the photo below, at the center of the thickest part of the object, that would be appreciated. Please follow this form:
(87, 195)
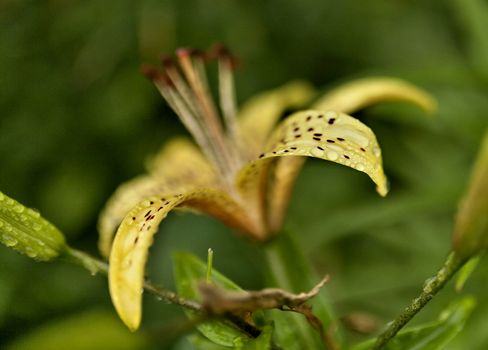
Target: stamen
(195, 74)
(176, 102)
(173, 73)
(192, 104)
(187, 91)
(226, 90)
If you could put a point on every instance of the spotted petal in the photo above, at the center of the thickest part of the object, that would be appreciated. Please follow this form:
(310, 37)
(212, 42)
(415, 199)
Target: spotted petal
(178, 167)
(135, 235)
(259, 115)
(347, 98)
(331, 136)
(361, 93)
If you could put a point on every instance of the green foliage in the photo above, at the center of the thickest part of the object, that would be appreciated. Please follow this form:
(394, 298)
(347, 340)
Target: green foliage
(78, 119)
(262, 342)
(433, 336)
(189, 271)
(24, 230)
(287, 268)
(94, 330)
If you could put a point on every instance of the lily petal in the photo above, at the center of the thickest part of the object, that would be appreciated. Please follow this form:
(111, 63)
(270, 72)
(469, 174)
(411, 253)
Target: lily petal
(178, 167)
(347, 98)
(135, 235)
(331, 136)
(259, 115)
(361, 93)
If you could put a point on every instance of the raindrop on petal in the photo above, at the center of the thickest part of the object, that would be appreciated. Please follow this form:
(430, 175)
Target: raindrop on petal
(332, 155)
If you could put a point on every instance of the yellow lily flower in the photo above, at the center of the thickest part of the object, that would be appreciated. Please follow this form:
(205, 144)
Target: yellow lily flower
(246, 162)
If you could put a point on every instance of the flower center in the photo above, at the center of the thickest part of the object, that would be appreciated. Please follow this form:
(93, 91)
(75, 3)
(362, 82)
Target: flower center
(183, 84)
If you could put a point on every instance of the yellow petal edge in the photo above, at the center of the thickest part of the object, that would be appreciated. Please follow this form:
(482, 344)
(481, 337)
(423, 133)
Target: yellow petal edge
(361, 93)
(135, 236)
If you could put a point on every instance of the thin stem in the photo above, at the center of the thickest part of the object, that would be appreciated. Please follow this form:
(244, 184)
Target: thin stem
(430, 288)
(97, 266)
(94, 266)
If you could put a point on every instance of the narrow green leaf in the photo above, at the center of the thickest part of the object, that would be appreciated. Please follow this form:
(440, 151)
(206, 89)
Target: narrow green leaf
(24, 230)
(432, 336)
(201, 343)
(189, 270)
(465, 272)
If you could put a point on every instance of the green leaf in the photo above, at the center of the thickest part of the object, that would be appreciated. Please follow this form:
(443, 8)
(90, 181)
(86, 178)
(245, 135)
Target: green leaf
(263, 342)
(24, 230)
(189, 270)
(432, 336)
(94, 330)
(201, 343)
(473, 17)
(288, 268)
(465, 272)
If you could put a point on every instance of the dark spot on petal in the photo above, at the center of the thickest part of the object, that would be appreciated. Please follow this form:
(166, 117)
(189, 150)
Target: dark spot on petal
(310, 129)
(317, 134)
(296, 129)
(320, 116)
(160, 208)
(136, 239)
(148, 228)
(346, 156)
(362, 149)
(309, 118)
(316, 138)
(151, 202)
(286, 151)
(320, 148)
(133, 218)
(331, 121)
(293, 148)
(261, 155)
(149, 212)
(298, 136)
(330, 141)
(274, 152)
(341, 139)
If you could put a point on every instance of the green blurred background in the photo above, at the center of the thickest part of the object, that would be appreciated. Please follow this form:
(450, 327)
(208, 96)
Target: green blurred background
(77, 119)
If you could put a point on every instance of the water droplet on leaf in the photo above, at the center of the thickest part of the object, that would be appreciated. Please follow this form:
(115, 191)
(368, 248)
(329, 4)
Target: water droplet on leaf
(9, 241)
(19, 208)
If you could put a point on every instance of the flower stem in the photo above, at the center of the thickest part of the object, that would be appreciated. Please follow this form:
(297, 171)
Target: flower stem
(97, 266)
(94, 266)
(430, 288)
